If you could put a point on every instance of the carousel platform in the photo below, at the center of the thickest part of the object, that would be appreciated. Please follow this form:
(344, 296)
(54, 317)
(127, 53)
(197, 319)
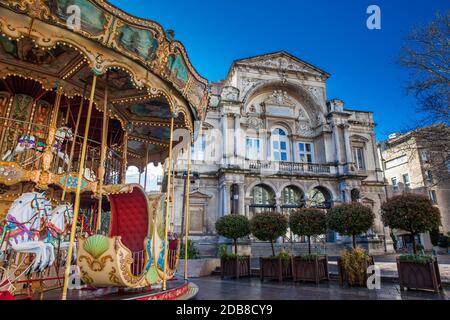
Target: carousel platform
(177, 290)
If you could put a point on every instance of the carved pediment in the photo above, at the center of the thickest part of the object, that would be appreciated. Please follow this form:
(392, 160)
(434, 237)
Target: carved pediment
(282, 61)
(358, 138)
(199, 195)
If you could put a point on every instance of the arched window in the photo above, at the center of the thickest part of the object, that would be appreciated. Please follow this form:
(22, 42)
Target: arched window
(320, 198)
(280, 145)
(292, 198)
(263, 199)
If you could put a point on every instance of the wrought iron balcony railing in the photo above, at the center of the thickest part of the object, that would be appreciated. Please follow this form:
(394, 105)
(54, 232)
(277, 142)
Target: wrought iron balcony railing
(289, 167)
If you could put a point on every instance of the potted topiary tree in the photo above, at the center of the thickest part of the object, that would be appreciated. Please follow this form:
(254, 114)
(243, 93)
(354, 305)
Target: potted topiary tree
(270, 226)
(310, 267)
(234, 227)
(415, 214)
(352, 220)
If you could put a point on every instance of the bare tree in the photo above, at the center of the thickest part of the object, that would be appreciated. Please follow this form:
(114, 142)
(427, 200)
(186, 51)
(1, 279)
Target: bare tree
(427, 55)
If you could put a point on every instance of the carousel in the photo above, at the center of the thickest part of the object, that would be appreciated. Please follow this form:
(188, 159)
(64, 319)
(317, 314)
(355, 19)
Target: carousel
(79, 105)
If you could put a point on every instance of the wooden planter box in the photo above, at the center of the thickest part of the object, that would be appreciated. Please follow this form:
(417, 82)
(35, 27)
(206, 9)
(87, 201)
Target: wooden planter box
(310, 271)
(419, 276)
(275, 268)
(235, 268)
(344, 278)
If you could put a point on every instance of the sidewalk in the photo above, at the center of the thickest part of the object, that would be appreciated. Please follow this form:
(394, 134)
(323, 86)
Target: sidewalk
(213, 288)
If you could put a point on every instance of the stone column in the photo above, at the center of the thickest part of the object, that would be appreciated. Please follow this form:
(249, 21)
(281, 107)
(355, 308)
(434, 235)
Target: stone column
(226, 199)
(348, 147)
(225, 138)
(292, 147)
(241, 199)
(337, 143)
(237, 134)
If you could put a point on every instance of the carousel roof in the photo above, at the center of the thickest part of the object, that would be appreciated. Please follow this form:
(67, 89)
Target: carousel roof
(147, 72)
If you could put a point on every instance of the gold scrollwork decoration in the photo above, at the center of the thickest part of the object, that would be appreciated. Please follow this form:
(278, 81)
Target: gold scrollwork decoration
(96, 265)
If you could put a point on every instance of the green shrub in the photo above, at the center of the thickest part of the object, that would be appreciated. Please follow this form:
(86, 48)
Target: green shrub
(282, 255)
(354, 263)
(350, 220)
(413, 213)
(223, 250)
(308, 222)
(269, 226)
(414, 258)
(310, 257)
(193, 253)
(233, 227)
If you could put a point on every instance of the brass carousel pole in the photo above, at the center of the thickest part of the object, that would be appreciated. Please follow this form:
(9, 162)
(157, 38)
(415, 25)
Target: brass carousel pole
(48, 156)
(72, 150)
(101, 170)
(78, 194)
(146, 169)
(124, 157)
(188, 190)
(169, 173)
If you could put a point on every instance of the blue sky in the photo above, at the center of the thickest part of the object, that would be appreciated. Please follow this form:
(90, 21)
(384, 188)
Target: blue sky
(329, 34)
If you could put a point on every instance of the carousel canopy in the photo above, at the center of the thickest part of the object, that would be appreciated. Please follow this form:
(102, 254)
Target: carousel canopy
(147, 74)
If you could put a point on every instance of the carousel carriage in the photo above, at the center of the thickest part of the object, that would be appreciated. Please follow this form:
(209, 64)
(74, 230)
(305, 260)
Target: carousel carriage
(78, 107)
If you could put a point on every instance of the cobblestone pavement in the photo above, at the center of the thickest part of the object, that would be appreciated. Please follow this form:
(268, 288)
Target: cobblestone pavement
(213, 288)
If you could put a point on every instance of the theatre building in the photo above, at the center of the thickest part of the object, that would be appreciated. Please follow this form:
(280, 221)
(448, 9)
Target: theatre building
(274, 141)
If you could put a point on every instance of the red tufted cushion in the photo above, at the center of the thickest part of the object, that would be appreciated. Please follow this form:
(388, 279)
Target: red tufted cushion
(130, 218)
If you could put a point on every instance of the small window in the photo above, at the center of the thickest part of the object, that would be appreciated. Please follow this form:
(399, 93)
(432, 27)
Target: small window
(424, 156)
(433, 197)
(253, 148)
(306, 152)
(395, 184)
(407, 181)
(429, 176)
(198, 151)
(358, 158)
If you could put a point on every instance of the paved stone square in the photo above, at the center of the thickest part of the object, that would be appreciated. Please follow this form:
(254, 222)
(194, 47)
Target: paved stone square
(213, 288)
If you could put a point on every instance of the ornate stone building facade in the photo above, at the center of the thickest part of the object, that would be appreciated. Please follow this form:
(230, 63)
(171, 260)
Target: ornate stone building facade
(273, 141)
(415, 165)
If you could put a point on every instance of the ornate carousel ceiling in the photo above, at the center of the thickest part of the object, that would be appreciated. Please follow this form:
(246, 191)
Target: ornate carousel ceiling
(148, 74)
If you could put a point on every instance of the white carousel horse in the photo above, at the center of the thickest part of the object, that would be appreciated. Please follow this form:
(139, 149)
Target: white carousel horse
(22, 231)
(62, 134)
(90, 175)
(25, 143)
(61, 219)
(29, 142)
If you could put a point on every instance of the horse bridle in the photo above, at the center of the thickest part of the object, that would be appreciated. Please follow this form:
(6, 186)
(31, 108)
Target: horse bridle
(38, 214)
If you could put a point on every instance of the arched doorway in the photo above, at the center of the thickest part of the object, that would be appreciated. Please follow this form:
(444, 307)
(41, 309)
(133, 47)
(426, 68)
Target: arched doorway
(292, 198)
(263, 199)
(320, 198)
